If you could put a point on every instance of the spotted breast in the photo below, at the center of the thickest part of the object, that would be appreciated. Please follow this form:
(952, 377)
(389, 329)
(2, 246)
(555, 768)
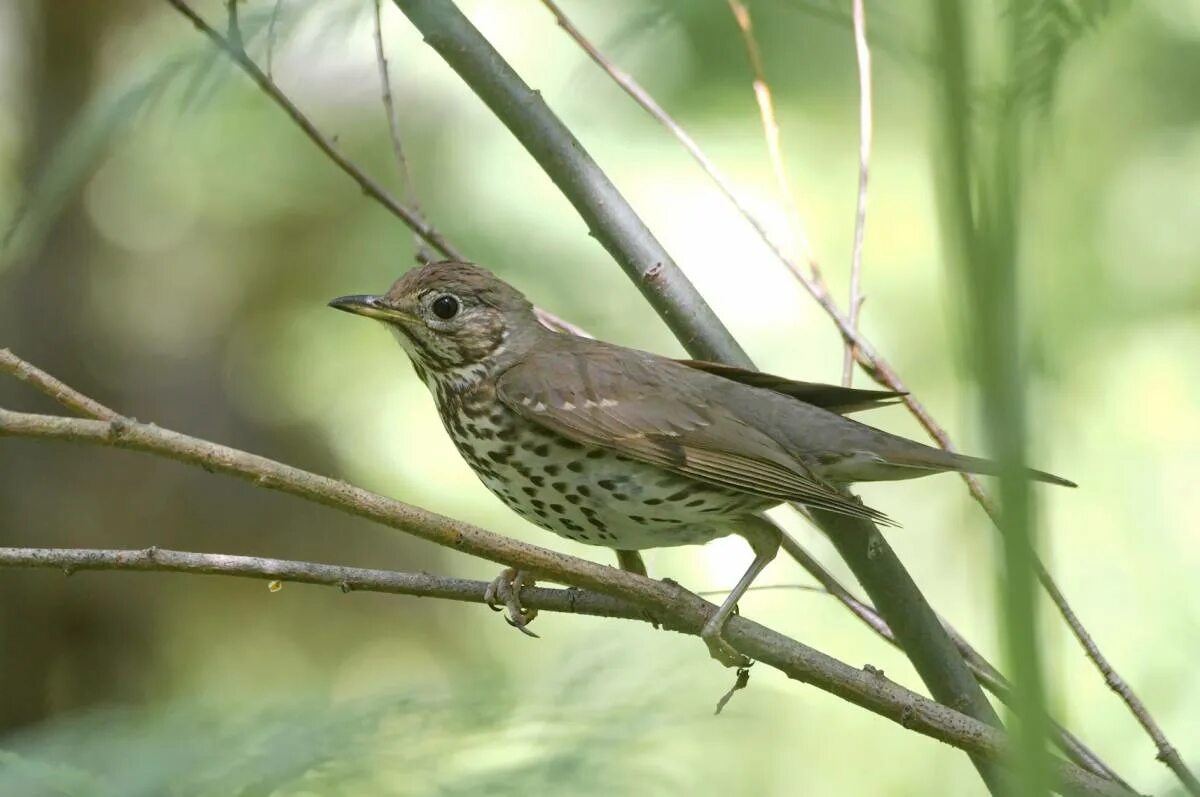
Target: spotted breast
(588, 494)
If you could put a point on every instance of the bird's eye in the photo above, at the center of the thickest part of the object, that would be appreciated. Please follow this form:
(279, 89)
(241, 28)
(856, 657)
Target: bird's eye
(445, 307)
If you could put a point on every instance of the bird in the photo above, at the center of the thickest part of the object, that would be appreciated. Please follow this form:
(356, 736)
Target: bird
(616, 447)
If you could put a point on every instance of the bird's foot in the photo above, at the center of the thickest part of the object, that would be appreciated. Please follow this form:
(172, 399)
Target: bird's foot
(506, 589)
(718, 648)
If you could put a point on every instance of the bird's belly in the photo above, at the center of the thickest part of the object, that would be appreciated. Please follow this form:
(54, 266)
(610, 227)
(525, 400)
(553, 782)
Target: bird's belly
(595, 496)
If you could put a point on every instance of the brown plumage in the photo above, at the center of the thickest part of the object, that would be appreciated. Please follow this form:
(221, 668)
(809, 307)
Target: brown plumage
(618, 447)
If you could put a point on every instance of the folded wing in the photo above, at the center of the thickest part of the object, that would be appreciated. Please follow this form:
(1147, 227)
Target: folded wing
(648, 411)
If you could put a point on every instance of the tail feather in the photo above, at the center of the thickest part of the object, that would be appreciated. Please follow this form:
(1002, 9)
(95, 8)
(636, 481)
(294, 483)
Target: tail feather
(944, 460)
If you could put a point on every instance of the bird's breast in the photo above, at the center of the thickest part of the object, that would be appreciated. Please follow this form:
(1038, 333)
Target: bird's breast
(585, 493)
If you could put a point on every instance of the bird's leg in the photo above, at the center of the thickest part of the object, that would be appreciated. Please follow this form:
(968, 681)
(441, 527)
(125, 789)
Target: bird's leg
(764, 537)
(631, 562)
(507, 588)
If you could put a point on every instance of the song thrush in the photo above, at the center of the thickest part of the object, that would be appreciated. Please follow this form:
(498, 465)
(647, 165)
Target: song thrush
(621, 448)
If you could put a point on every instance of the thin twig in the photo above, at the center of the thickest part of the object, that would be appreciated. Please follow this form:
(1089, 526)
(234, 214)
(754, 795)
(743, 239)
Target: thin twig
(64, 394)
(368, 185)
(393, 123)
(882, 372)
(347, 579)
(770, 125)
(651, 106)
(271, 36)
(863, 58)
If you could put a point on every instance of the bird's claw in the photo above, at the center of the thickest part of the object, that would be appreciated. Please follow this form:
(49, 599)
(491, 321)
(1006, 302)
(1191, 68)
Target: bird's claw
(506, 589)
(721, 650)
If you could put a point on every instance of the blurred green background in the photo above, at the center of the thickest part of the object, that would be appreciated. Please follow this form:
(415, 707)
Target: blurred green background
(179, 240)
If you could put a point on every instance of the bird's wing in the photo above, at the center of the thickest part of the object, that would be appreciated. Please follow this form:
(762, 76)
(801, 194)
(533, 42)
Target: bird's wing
(656, 415)
(834, 398)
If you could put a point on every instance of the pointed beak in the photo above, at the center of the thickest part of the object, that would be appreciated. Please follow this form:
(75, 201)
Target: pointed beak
(372, 307)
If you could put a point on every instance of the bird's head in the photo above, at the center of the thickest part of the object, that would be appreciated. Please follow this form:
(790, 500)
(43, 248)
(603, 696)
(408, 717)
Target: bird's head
(449, 315)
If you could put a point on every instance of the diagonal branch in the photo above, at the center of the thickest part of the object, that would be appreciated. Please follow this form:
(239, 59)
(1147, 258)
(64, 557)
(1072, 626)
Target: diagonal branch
(368, 185)
(770, 126)
(64, 394)
(882, 372)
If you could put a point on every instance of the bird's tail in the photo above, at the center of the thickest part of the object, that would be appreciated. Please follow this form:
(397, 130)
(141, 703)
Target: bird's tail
(936, 459)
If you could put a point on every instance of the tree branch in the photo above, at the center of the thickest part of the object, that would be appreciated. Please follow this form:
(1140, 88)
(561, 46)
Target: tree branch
(347, 579)
(368, 185)
(65, 395)
(869, 685)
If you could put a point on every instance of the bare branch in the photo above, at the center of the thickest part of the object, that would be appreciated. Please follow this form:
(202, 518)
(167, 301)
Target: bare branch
(272, 25)
(393, 123)
(348, 579)
(368, 185)
(863, 58)
(65, 395)
(770, 125)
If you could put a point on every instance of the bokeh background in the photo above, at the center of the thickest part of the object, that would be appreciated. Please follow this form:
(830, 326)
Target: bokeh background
(179, 238)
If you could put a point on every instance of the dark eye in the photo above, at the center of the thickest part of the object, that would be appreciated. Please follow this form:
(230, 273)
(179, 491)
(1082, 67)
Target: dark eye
(445, 307)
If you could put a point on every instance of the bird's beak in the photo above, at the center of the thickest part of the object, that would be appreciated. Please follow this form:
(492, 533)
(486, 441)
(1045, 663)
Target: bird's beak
(376, 307)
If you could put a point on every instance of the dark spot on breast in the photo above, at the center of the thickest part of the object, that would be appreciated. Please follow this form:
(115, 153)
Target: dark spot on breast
(637, 518)
(596, 453)
(583, 490)
(501, 455)
(551, 470)
(573, 499)
(695, 503)
(597, 523)
(506, 433)
(679, 495)
(575, 467)
(652, 501)
(607, 484)
(571, 444)
(541, 450)
(537, 481)
(558, 508)
(538, 504)
(559, 487)
(529, 491)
